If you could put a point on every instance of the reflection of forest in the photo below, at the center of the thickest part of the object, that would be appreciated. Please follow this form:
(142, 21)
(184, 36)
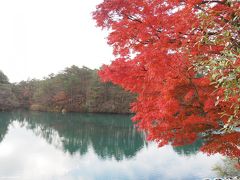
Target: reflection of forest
(190, 148)
(109, 135)
(5, 119)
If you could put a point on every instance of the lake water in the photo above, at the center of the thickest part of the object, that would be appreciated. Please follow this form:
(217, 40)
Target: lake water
(73, 146)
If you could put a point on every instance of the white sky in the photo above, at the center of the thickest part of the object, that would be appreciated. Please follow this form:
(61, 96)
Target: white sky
(39, 37)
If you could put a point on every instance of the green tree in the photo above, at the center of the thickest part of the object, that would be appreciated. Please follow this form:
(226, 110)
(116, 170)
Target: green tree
(3, 78)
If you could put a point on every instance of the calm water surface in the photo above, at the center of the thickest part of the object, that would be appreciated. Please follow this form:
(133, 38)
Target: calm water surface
(91, 146)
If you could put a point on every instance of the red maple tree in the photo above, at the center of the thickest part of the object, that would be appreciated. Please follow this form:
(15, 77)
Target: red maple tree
(159, 47)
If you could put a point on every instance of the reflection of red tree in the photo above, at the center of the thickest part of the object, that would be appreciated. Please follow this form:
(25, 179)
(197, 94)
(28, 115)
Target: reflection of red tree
(156, 43)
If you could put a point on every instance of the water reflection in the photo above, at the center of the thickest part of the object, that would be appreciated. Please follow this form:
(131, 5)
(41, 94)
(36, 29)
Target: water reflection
(92, 146)
(5, 119)
(109, 135)
(189, 149)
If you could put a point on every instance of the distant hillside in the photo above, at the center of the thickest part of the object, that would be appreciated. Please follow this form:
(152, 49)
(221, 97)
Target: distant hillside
(8, 99)
(74, 90)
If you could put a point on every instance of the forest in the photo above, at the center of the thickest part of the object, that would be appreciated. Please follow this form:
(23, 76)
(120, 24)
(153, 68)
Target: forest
(72, 90)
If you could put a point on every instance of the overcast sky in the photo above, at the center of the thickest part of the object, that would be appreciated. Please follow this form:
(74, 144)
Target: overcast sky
(39, 37)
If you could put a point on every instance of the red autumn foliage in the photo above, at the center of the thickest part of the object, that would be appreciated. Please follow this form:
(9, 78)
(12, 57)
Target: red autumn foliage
(155, 43)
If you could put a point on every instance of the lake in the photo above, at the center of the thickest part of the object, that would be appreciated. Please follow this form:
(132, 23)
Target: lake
(35, 145)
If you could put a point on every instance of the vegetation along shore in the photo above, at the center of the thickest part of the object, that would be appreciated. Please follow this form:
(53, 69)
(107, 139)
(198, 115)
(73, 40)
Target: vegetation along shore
(72, 90)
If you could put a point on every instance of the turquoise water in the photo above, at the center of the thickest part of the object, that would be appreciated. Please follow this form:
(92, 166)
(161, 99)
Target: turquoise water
(71, 146)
